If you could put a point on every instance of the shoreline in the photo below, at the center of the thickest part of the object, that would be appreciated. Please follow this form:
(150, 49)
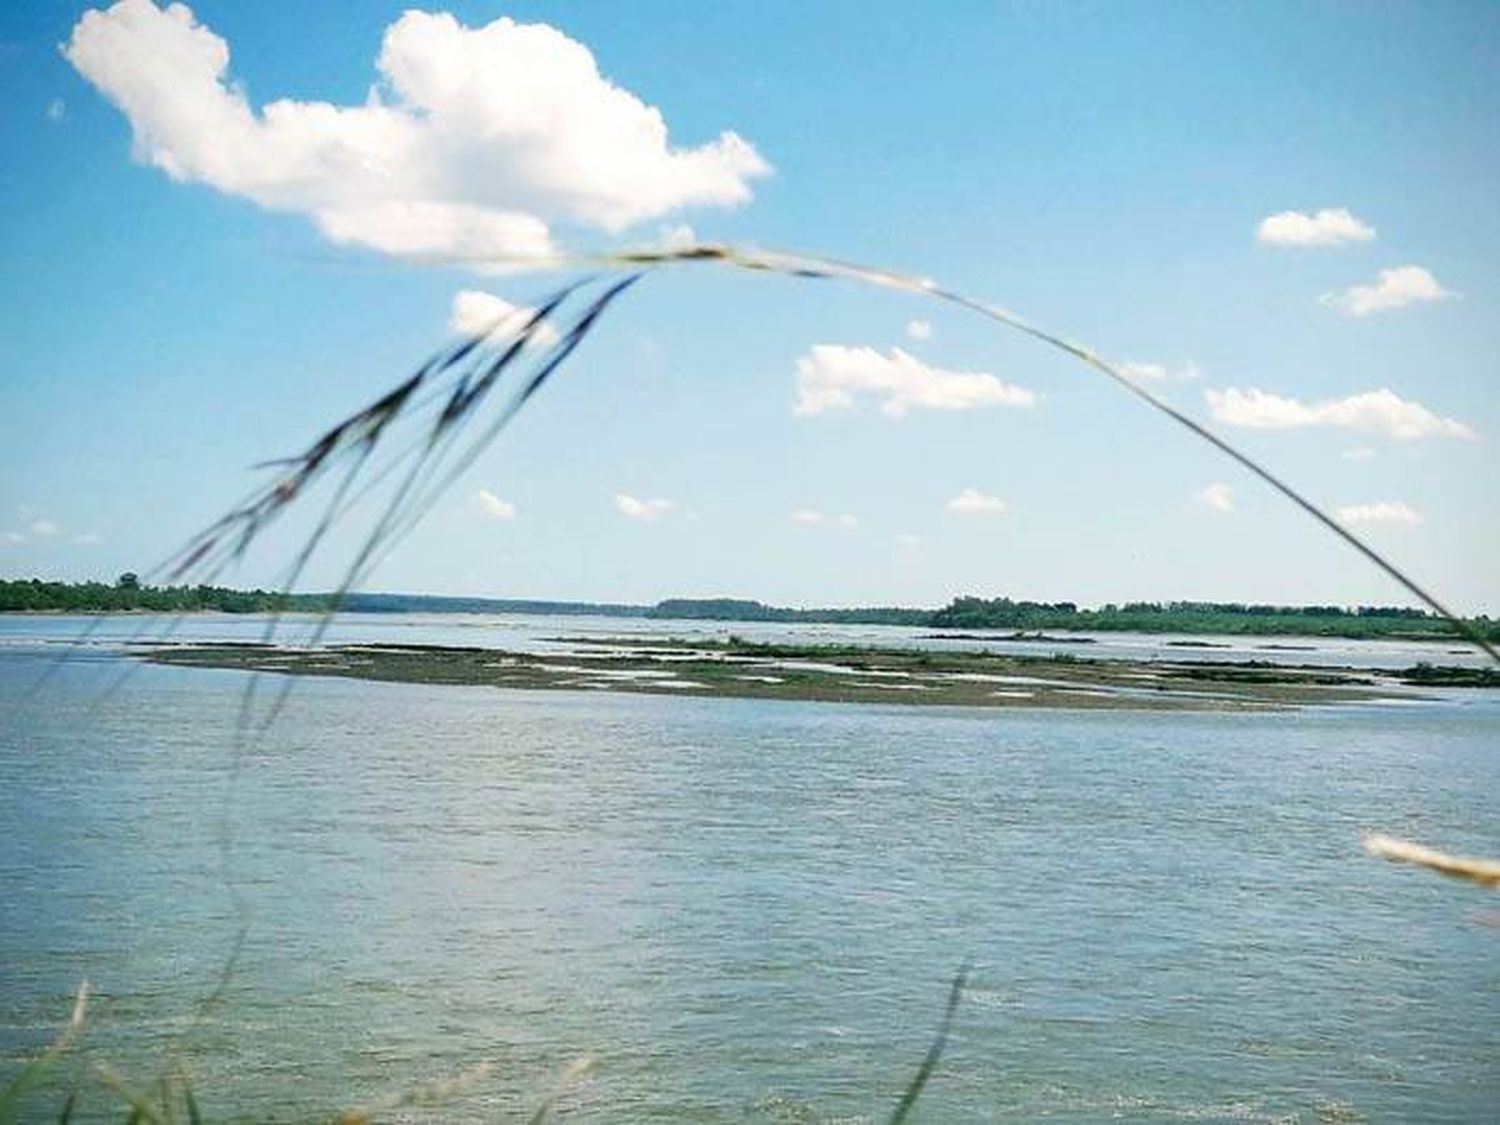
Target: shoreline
(1187, 638)
(840, 674)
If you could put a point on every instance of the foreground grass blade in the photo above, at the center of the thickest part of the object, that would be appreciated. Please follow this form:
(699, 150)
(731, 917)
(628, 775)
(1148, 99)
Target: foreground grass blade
(796, 264)
(934, 1052)
(36, 1070)
(574, 1071)
(421, 1097)
(1485, 872)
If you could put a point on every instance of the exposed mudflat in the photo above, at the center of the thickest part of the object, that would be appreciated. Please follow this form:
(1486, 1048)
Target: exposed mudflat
(823, 673)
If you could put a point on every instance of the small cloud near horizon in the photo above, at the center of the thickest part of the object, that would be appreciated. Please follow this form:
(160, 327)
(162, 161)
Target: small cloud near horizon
(1380, 412)
(643, 510)
(1143, 372)
(40, 531)
(972, 502)
(919, 329)
(493, 507)
(1392, 289)
(812, 517)
(1217, 497)
(1331, 226)
(831, 376)
(1381, 511)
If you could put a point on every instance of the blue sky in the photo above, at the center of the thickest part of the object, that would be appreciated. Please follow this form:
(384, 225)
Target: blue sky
(179, 309)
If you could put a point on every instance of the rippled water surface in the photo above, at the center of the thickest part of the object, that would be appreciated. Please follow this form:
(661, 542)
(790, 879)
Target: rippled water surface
(745, 910)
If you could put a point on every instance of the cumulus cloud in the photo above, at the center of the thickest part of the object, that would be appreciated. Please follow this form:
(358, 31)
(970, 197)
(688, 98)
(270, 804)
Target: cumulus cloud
(645, 510)
(972, 502)
(1328, 227)
(475, 312)
(1380, 412)
(811, 517)
(493, 507)
(830, 376)
(472, 142)
(919, 329)
(43, 529)
(1393, 288)
(1218, 497)
(1382, 511)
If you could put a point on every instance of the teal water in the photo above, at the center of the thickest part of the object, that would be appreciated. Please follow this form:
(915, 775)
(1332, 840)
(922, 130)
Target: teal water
(745, 910)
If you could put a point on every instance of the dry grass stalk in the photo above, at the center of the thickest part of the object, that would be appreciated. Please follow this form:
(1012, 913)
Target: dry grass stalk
(1486, 872)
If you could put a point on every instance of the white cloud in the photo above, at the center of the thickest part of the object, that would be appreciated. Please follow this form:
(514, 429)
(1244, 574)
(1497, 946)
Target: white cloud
(811, 517)
(57, 109)
(1393, 288)
(475, 312)
(919, 329)
(831, 375)
(1142, 372)
(1328, 227)
(1359, 453)
(39, 530)
(635, 509)
(1383, 511)
(493, 507)
(1217, 496)
(907, 539)
(972, 502)
(472, 142)
(678, 236)
(1380, 412)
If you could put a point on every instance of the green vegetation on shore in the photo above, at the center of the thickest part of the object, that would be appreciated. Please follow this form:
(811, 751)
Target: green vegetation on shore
(128, 595)
(1394, 622)
(743, 609)
(965, 613)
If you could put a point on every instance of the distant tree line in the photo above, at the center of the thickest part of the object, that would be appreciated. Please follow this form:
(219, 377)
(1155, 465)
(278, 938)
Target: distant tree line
(128, 594)
(443, 603)
(743, 609)
(966, 613)
(1200, 617)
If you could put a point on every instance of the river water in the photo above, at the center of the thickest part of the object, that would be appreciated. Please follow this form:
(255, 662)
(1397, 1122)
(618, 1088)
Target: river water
(738, 909)
(543, 633)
